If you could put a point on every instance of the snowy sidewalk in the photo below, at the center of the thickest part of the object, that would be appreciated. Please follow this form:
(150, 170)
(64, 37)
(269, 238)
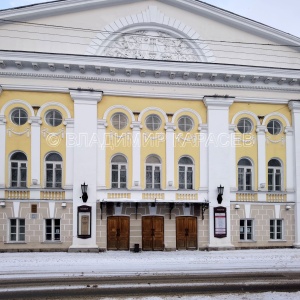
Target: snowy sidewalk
(112, 263)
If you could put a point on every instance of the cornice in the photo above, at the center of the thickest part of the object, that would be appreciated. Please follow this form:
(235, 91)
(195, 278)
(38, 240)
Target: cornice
(86, 96)
(294, 106)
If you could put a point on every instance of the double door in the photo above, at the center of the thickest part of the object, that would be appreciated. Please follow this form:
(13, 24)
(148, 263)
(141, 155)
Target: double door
(118, 233)
(152, 233)
(186, 233)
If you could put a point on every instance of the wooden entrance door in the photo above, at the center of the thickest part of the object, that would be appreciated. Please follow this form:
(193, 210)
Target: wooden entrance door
(118, 233)
(153, 233)
(186, 233)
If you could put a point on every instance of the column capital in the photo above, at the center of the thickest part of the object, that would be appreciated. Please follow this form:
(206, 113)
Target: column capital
(2, 120)
(136, 126)
(232, 128)
(294, 105)
(35, 121)
(69, 123)
(261, 129)
(218, 102)
(170, 127)
(288, 130)
(101, 123)
(203, 128)
(86, 95)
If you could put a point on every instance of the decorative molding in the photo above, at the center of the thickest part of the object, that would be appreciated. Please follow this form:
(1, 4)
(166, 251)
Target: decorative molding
(136, 125)
(11, 131)
(170, 127)
(35, 121)
(45, 132)
(269, 140)
(203, 128)
(163, 35)
(221, 102)
(157, 109)
(101, 124)
(3, 120)
(187, 110)
(276, 114)
(13, 102)
(245, 112)
(261, 129)
(62, 106)
(111, 108)
(86, 96)
(289, 130)
(294, 106)
(69, 123)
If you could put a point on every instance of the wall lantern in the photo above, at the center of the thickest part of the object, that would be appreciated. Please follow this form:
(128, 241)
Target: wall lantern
(84, 196)
(220, 194)
(288, 207)
(2, 203)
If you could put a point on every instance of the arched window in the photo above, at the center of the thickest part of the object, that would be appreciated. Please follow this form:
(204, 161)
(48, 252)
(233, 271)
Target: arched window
(153, 169)
(274, 175)
(119, 172)
(245, 171)
(186, 170)
(53, 170)
(18, 170)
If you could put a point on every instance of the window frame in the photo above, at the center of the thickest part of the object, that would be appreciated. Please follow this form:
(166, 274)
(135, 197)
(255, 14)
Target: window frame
(53, 228)
(153, 166)
(274, 169)
(186, 166)
(280, 125)
(275, 232)
(54, 118)
(19, 169)
(119, 168)
(245, 119)
(119, 113)
(18, 232)
(186, 117)
(244, 174)
(19, 117)
(54, 164)
(147, 125)
(245, 231)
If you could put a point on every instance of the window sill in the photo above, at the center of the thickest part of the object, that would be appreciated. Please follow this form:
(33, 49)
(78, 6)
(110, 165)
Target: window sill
(248, 241)
(15, 243)
(51, 242)
(277, 241)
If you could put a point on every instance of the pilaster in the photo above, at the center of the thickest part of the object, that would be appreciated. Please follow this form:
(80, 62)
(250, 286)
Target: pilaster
(289, 135)
(170, 171)
(203, 157)
(35, 156)
(262, 165)
(219, 162)
(70, 145)
(2, 151)
(85, 158)
(101, 162)
(136, 155)
(233, 175)
(294, 106)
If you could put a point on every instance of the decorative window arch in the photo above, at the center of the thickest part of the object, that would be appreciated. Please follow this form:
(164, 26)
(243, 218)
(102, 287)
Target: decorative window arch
(186, 173)
(150, 35)
(275, 175)
(18, 169)
(245, 174)
(53, 170)
(119, 171)
(153, 172)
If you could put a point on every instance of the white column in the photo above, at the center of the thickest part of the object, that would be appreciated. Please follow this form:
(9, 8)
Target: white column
(295, 109)
(35, 156)
(85, 160)
(170, 171)
(101, 162)
(290, 185)
(219, 163)
(203, 158)
(261, 154)
(136, 155)
(233, 176)
(70, 145)
(2, 153)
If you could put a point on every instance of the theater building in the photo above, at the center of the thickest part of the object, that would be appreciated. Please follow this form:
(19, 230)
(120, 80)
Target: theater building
(157, 125)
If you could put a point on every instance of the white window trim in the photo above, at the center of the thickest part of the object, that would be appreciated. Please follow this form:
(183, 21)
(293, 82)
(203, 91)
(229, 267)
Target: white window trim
(185, 172)
(17, 241)
(119, 173)
(244, 178)
(19, 173)
(54, 176)
(274, 178)
(275, 232)
(13, 110)
(153, 167)
(52, 231)
(245, 227)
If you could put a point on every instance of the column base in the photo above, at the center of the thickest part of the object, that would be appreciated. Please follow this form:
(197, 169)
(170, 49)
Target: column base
(296, 245)
(220, 248)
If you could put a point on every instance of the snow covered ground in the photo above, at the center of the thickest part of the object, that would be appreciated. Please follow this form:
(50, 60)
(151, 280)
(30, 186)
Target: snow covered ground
(127, 263)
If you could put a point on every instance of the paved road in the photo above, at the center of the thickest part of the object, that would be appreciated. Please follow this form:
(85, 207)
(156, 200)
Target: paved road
(139, 286)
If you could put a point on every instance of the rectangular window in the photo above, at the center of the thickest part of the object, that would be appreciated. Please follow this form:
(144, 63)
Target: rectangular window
(52, 229)
(118, 176)
(186, 177)
(152, 177)
(17, 230)
(53, 175)
(246, 230)
(276, 229)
